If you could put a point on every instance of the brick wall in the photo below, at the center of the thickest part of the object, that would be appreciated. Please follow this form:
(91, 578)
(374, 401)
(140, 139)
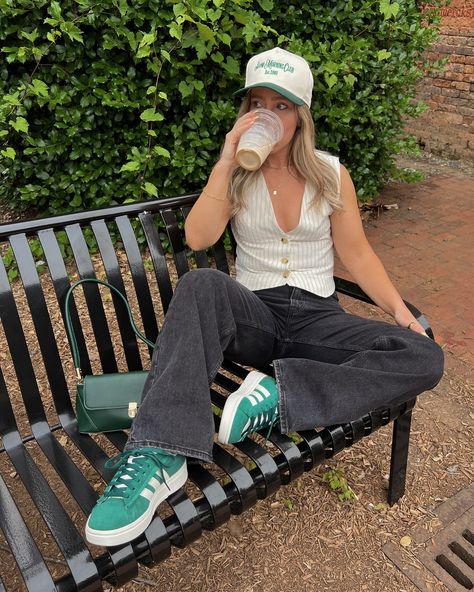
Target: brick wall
(447, 128)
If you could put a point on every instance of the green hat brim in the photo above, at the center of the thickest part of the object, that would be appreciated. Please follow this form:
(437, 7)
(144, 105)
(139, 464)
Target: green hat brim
(282, 91)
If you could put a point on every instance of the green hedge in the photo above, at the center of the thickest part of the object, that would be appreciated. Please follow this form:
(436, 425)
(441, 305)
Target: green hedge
(113, 100)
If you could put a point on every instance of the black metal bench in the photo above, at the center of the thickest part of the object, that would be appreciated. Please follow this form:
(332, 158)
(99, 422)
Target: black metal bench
(50, 472)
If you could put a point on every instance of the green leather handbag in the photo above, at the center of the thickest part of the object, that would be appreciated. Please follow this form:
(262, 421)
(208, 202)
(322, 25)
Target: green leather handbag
(105, 402)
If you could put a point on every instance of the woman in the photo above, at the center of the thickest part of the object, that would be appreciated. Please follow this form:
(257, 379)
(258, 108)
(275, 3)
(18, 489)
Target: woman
(329, 366)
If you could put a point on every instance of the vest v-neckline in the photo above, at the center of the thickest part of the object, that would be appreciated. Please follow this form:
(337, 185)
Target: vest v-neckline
(270, 204)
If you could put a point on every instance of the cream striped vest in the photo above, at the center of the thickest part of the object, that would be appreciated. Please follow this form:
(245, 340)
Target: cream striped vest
(268, 257)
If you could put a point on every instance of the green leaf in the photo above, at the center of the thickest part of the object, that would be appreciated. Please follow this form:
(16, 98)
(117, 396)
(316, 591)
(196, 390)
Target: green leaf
(39, 88)
(51, 35)
(131, 166)
(383, 54)
(9, 153)
(185, 89)
(350, 79)
(76, 201)
(175, 30)
(231, 65)
(150, 189)
(179, 9)
(225, 38)
(161, 151)
(165, 54)
(267, 5)
(151, 115)
(143, 52)
(148, 39)
(330, 79)
(30, 36)
(20, 124)
(73, 32)
(388, 9)
(206, 33)
(55, 10)
(214, 15)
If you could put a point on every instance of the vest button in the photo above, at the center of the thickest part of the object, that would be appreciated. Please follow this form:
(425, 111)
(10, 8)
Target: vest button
(286, 273)
(284, 240)
(284, 259)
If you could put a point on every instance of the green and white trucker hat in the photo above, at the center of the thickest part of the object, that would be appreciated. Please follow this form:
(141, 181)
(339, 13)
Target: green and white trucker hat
(282, 71)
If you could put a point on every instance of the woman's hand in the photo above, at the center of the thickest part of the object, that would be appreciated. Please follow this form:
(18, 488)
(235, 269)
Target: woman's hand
(404, 318)
(233, 136)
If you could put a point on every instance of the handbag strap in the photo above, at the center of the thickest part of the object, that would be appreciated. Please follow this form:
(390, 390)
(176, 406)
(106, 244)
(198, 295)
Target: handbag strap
(69, 326)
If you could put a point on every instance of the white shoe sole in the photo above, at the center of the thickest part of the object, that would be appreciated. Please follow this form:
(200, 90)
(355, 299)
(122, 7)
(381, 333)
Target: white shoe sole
(119, 536)
(251, 381)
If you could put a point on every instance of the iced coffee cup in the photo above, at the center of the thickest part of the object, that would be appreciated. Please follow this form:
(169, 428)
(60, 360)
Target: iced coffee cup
(257, 142)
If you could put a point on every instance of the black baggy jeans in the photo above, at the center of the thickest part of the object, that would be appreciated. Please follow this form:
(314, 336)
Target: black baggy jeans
(330, 366)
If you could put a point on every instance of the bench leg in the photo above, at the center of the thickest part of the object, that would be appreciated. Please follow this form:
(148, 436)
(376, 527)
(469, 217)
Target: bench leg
(398, 465)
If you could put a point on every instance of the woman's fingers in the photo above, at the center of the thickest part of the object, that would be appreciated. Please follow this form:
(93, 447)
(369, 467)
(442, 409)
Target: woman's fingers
(233, 136)
(417, 327)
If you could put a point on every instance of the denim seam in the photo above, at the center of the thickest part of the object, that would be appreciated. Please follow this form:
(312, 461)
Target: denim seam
(205, 456)
(254, 325)
(281, 399)
(329, 345)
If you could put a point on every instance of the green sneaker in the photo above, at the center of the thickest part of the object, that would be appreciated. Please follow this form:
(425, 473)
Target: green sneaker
(145, 477)
(252, 407)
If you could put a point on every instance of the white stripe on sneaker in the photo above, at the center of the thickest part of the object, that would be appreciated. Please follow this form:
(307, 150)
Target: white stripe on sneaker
(265, 392)
(154, 482)
(252, 399)
(257, 395)
(147, 494)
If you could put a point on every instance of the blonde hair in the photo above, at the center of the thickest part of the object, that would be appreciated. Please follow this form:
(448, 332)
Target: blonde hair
(302, 159)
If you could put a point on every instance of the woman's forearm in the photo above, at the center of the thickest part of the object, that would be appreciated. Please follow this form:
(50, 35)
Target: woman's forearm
(369, 273)
(211, 212)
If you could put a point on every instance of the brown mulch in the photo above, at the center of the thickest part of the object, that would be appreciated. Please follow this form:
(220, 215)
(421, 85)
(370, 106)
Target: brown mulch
(302, 538)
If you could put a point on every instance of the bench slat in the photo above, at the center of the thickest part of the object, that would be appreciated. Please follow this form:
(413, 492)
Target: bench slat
(140, 280)
(214, 495)
(219, 256)
(290, 460)
(41, 321)
(63, 529)
(241, 492)
(158, 258)
(173, 232)
(268, 479)
(114, 277)
(185, 517)
(23, 547)
(20, 354)
(59, 277)
(93, 300)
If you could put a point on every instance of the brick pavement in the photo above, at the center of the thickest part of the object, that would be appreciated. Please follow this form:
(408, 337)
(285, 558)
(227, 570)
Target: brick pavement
(427, 246)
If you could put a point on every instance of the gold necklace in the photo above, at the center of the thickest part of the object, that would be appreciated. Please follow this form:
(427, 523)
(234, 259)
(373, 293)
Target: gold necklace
(275, 191)
(276, 168)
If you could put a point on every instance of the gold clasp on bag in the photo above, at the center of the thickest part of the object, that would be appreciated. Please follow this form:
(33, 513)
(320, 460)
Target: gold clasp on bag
(132, 409)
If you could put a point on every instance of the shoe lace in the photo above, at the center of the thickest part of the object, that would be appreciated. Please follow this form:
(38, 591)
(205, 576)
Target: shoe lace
(266, 418)
(131, 468)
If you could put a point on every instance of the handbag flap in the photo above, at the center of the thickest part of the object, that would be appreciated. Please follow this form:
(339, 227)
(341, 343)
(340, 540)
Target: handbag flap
(113, 391)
